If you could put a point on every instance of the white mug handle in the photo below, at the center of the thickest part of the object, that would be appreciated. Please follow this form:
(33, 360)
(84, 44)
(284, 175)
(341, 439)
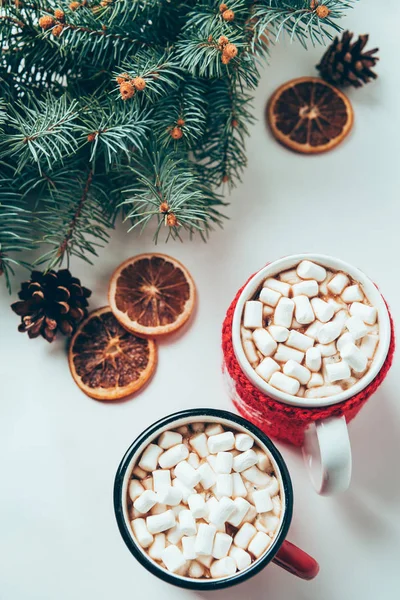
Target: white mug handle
(327, 454)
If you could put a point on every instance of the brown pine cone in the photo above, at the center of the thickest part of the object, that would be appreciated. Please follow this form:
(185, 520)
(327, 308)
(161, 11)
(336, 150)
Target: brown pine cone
(57, 30)
(46, 22)
(139, 83)
(230, 51)
(51, 302)
(176, 133)
(322, 11)
(59, 15)
(228, 15)
(126, 90)
(345, 63)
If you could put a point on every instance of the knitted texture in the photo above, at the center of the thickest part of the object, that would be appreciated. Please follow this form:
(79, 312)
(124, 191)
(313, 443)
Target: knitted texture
(283, 421)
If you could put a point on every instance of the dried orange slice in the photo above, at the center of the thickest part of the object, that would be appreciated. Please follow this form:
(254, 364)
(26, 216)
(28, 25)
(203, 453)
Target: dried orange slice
(152, 294)
(108, 362)
(309, 115)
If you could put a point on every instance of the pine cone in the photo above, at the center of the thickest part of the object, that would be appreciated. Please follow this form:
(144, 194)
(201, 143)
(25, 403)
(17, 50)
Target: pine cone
(50, 302)
(344, 63)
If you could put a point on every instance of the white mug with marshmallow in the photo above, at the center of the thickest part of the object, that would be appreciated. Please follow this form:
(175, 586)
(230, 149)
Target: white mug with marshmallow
(326, 449)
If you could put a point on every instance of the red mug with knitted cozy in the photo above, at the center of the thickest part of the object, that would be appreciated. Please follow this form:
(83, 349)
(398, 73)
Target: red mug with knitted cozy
(318, 425)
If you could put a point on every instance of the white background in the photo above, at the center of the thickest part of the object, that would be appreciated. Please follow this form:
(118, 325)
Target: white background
(59, 449)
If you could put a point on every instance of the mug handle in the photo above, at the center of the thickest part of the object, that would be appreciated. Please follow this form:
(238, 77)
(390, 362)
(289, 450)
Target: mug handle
(296, 561)
(327, 454)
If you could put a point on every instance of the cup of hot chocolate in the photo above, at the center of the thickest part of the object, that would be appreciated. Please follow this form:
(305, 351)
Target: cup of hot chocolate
(306, 341)
(204, 500)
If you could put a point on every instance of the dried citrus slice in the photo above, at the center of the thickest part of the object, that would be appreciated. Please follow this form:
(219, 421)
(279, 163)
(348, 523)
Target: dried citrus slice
(309, 115)
(152, 294)
(108, 362)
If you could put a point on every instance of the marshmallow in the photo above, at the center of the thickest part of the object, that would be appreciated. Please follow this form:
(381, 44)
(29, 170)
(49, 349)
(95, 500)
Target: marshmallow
(309, 270)
(199, 444)
(299, 341)
(313, 329)
(259, 544)
(253, 314)
(267, 368)
(356, 327)
(135, 489)
(262, 501)
(290, 277)
(239, 489)
(366, 313)
(183, 430)
(207, 479)
(337, 304)
(157, 547)
(244, 535)
(223, 485)
(322, 310)
(187, 474)
(241, 558)
(323, 286)
(243, 442)
(250, 352)
(158, 509)
(285, 353)
(352, 293)
(269, 296)
(284, 312)
(223, 567)
(242, 507)
(323, 391)
(284, 383)
(205, 539)
(368, 345)
(264, 463)
(329, 332)
(254, 475)
(162, 522)
(296, 324)
(264, 342)
(212, 461)
(316, 380)
(196, 570)
(175, 535)
(193, 460)
(345, 338)
(337, 371)
(173, 456)
(147, 483)
(251, 515)
(244, 461)
(280, 334)
(268, 523)
(279, 286)
(187, 522)
(214, 429)
(354, 357)
(169, 439)
(150, 457)
(307, 288)
(145, 501)
(221, 442)
(197, 505)
(161, 480)
(267, 311)
(188, 543)
(273, 486)
(304, 313)
(180, 488)
(224, 462)
(293, 369)
(338, 283)
(277, 504)
(313, 359)
(173, 558)
(327, 349)
(138, 472)
(141, 532)
(199, 427)
(205, 560)
(246, 334)
(222, 544)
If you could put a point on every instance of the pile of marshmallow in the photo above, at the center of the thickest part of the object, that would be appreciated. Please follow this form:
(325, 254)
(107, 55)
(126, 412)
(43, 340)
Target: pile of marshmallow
(204, 501)
(310, 332)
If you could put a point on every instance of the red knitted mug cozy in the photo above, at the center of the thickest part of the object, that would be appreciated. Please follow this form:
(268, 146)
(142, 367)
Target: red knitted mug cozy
(283, 421)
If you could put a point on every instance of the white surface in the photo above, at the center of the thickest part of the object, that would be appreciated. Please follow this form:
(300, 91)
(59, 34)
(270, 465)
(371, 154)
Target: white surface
(59, 449)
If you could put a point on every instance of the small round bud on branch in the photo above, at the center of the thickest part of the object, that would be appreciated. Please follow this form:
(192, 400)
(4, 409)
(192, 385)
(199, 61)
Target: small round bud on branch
(91, 137)
(139, 83)
(225, 59)
(180, 122)
(164, 208)
(222, 42)
(172, 221)
(126, 90)
(57, 30)
(222, 8)
(234, 123)
(322, 11)
(228, 15)
(59, 15)
(74, 5)
(46, 22)
(225, 179)
(230, 50)
(176, 133)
